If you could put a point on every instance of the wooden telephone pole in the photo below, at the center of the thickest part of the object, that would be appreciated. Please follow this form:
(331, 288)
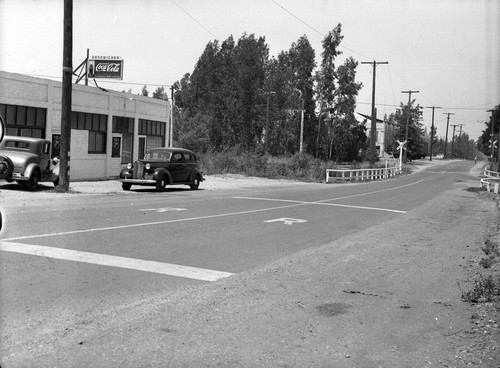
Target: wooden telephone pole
(373, 131)
(432, 131)
(408, 119)
(446, 138)
(66, 96)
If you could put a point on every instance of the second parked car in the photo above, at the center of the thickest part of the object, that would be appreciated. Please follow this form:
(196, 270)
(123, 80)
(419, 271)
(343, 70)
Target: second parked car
(161, 167)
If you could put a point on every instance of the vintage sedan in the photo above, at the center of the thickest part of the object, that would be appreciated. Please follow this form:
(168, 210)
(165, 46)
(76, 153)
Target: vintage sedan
(27, 161)
(161, 167)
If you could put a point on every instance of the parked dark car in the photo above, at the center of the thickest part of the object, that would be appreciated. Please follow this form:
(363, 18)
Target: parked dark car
(161, 167)
(27, 161)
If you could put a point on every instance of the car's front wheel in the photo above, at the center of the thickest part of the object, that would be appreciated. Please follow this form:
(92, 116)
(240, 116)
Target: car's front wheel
(32, 182)
(6, 167)
(196, 183)
(161, 183)
(126, 186)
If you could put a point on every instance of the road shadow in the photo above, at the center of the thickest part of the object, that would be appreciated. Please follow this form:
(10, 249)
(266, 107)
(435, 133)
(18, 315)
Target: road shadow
(14, 187)
(168, 189)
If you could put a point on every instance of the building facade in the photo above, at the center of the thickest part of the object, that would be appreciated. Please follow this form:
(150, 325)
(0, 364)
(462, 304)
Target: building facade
(108, 128)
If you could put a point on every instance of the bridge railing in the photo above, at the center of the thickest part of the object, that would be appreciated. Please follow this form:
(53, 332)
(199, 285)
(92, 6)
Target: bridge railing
(491, 181)
(349, 175)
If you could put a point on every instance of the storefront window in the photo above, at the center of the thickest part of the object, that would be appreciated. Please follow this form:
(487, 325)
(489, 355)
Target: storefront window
(24, 121)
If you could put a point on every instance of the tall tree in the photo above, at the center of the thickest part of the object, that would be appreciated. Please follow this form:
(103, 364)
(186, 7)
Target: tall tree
(302, 64)
(251, 57)
(160, 93)
(415, 144)
(346, 133)
(325, 90)
(491, 127)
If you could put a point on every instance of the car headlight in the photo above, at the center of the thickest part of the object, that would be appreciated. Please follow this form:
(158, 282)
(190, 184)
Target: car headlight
(129, 166)
(147, 166)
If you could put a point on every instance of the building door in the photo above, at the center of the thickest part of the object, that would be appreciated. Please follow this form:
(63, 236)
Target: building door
(142, 147)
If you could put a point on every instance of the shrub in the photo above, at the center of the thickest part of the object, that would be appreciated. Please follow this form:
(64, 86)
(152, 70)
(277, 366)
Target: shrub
(300, 166)
(484, 289)
(490, 248)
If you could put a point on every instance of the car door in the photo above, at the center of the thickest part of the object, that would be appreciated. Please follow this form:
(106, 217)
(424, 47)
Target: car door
(176, 167)
(188, 167)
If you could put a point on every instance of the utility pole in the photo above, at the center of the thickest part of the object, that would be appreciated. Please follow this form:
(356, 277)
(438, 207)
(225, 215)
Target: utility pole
(171, 133)
(408, 119)
(373, 131)
(453, 140)
(492, 135)
(302, 104)
(66, 96)
(432, 130)
(461, 125)
(446, 139)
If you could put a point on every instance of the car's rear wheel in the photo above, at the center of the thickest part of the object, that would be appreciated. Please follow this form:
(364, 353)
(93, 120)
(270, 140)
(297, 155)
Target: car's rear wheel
(196, 183)
(161, 183)
(6, 167)
(56, 182)
(32, 182)
(126, 186)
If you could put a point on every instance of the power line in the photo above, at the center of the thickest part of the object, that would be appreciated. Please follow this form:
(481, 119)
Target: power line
(193, 18)
(315, 30)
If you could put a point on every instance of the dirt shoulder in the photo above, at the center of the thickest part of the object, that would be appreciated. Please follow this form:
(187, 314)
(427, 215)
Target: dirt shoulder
(389, 296)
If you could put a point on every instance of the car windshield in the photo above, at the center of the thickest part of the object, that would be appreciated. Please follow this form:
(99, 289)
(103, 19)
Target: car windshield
(157, 155)
(17, 145)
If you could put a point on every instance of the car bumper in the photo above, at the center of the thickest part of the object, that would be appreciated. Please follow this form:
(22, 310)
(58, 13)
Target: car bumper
(19, 176)
(139, 181)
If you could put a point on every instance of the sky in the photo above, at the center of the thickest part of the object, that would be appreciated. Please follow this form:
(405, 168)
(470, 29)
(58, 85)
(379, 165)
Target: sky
(448, 50)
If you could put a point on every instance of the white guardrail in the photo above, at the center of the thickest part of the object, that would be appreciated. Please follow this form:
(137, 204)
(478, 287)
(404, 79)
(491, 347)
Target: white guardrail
(491, 181)
(348, 174)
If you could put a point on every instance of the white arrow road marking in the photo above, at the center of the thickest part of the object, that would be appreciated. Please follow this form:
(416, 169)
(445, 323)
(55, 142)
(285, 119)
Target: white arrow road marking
(287, 221)
(115, 261)
(164, 209)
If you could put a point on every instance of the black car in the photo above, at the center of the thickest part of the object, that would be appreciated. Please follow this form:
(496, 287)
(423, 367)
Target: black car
(161, 167)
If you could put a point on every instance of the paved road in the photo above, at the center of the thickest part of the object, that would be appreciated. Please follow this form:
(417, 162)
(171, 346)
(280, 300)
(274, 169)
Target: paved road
(64, 258)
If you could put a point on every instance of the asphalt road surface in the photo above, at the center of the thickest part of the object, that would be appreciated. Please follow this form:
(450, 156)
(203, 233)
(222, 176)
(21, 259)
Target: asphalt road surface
(68, 257)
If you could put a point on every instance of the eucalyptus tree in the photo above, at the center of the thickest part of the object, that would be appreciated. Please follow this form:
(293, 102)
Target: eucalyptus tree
(348, 137)
(302, 64)
(415, 144)
(251, 56)
(336, 92)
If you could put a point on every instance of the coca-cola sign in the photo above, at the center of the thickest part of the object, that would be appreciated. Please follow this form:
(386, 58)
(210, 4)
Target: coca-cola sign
(105, 67)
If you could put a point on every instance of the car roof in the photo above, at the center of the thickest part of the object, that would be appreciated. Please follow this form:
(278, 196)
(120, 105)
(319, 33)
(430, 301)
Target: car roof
(171, 150)
(24, 139)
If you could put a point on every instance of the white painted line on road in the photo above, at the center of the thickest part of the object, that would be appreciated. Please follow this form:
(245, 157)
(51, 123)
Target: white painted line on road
(372, 192)
(129, 226)
(115, 261)
(323, 201)
(322, 204)
(163, 209)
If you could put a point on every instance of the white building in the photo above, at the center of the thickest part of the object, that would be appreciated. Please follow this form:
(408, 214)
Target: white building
(108, 128)
(383, 131)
